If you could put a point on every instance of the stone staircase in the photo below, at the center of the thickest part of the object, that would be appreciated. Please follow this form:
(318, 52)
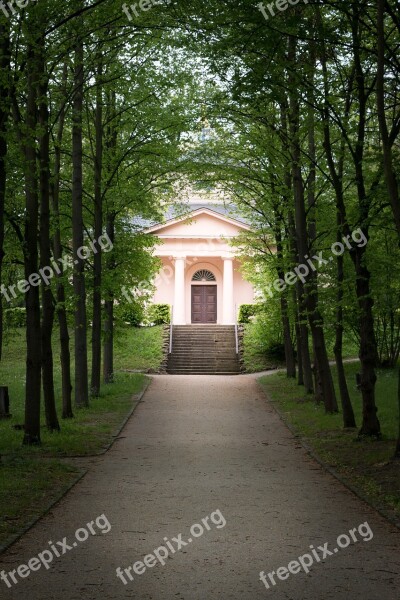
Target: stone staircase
(203, 350)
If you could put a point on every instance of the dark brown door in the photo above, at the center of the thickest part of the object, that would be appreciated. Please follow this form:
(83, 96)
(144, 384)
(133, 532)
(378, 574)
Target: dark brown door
(204, 303)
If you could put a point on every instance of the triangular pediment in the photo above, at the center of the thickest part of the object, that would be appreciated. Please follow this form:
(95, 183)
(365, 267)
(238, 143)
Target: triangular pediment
(202, 222)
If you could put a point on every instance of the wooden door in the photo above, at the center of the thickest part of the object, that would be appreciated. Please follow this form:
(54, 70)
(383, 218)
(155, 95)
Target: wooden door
(204, 303)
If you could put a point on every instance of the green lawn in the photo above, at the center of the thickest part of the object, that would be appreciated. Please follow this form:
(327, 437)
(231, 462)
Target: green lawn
(139, 348)
(33, 477)
(366, 464)
(256, 358)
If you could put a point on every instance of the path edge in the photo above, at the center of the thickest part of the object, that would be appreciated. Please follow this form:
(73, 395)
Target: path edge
(343, 480)
(82, 474)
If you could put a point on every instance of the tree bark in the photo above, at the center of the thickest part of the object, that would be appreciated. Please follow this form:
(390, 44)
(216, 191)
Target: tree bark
(81, 361)
(65, 357)
(368, 351)
(45, 250)
(348, 412)
(108, 360)
(32, 300)
(390, 174)
(5, 59)
(307, 296)
(287, 338)
(98, 228)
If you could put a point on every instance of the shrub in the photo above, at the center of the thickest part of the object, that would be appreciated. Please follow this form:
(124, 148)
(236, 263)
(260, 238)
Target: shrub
(159, 314)
(15, 317)
(130, 313)
(248, 310)
(276, 351)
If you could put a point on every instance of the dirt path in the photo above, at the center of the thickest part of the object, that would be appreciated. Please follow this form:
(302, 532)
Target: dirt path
(201, 447)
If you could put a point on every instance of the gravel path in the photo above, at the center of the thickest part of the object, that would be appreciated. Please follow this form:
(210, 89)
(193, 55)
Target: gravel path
(208, 451)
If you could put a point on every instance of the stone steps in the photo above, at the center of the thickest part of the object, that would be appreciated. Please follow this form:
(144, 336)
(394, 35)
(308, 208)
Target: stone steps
(203, 349)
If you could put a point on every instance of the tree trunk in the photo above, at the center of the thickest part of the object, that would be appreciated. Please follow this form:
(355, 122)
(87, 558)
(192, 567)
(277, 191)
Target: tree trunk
(300, 376)
(32, 300)
(368, 352)
(81, 362)
(98, 229)
(289, 349)
(304, 345)
(65, 356)
(390, 174)
(45, 251)
(108, 364)
(348, 412)
(287, 337)
(4, 113)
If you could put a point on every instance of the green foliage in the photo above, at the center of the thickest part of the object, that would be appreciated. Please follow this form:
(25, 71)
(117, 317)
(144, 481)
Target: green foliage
(263, 346)
(158, 314)
(15, 317)
(248, 310)
(130, 313)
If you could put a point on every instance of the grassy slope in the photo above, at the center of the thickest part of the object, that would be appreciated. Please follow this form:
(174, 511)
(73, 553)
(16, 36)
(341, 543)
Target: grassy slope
(257, 361)
(365, 463)
(33, 477)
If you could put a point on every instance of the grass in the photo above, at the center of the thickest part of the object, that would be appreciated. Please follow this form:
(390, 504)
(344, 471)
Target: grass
(256, 359)
(139, 348)
(367, 464)
(35, 476)
(27, 488)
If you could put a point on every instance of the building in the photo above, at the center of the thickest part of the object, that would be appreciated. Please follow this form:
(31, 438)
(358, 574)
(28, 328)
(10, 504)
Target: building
(201, 274)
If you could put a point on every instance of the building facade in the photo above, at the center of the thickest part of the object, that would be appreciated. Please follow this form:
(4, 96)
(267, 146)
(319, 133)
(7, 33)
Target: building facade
(201, 275)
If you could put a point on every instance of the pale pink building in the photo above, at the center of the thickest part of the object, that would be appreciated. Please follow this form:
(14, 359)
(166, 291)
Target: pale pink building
(201, 276)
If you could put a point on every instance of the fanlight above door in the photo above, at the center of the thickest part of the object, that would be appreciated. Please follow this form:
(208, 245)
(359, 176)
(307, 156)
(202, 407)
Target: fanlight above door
(203, 275)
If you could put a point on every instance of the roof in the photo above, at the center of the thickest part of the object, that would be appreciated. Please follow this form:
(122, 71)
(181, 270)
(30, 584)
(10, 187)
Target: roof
(183, 211)
(194, 213)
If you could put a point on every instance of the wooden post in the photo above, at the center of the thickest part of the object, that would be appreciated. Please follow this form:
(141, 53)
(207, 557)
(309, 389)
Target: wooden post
(4, 403)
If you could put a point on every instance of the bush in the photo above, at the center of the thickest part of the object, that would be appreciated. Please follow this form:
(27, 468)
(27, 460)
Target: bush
(276, 351)
(159, 314)
(248, 310)
(130, 313)
(15, 317)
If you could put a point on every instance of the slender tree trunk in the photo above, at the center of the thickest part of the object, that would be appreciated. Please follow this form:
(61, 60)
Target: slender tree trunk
(32, 299)
(45, 251)
(65, 357)
(4, 114)
(287, 337)
(348, 412)
(368, 351)
(304, 341)
(289, 349)
(81, 362)
(108, 364)
(307, 297)
(300, 376)
(98, 228)
(390, 174)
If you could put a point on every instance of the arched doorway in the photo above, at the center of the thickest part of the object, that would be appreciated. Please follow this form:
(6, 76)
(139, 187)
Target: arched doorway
(204, 300)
